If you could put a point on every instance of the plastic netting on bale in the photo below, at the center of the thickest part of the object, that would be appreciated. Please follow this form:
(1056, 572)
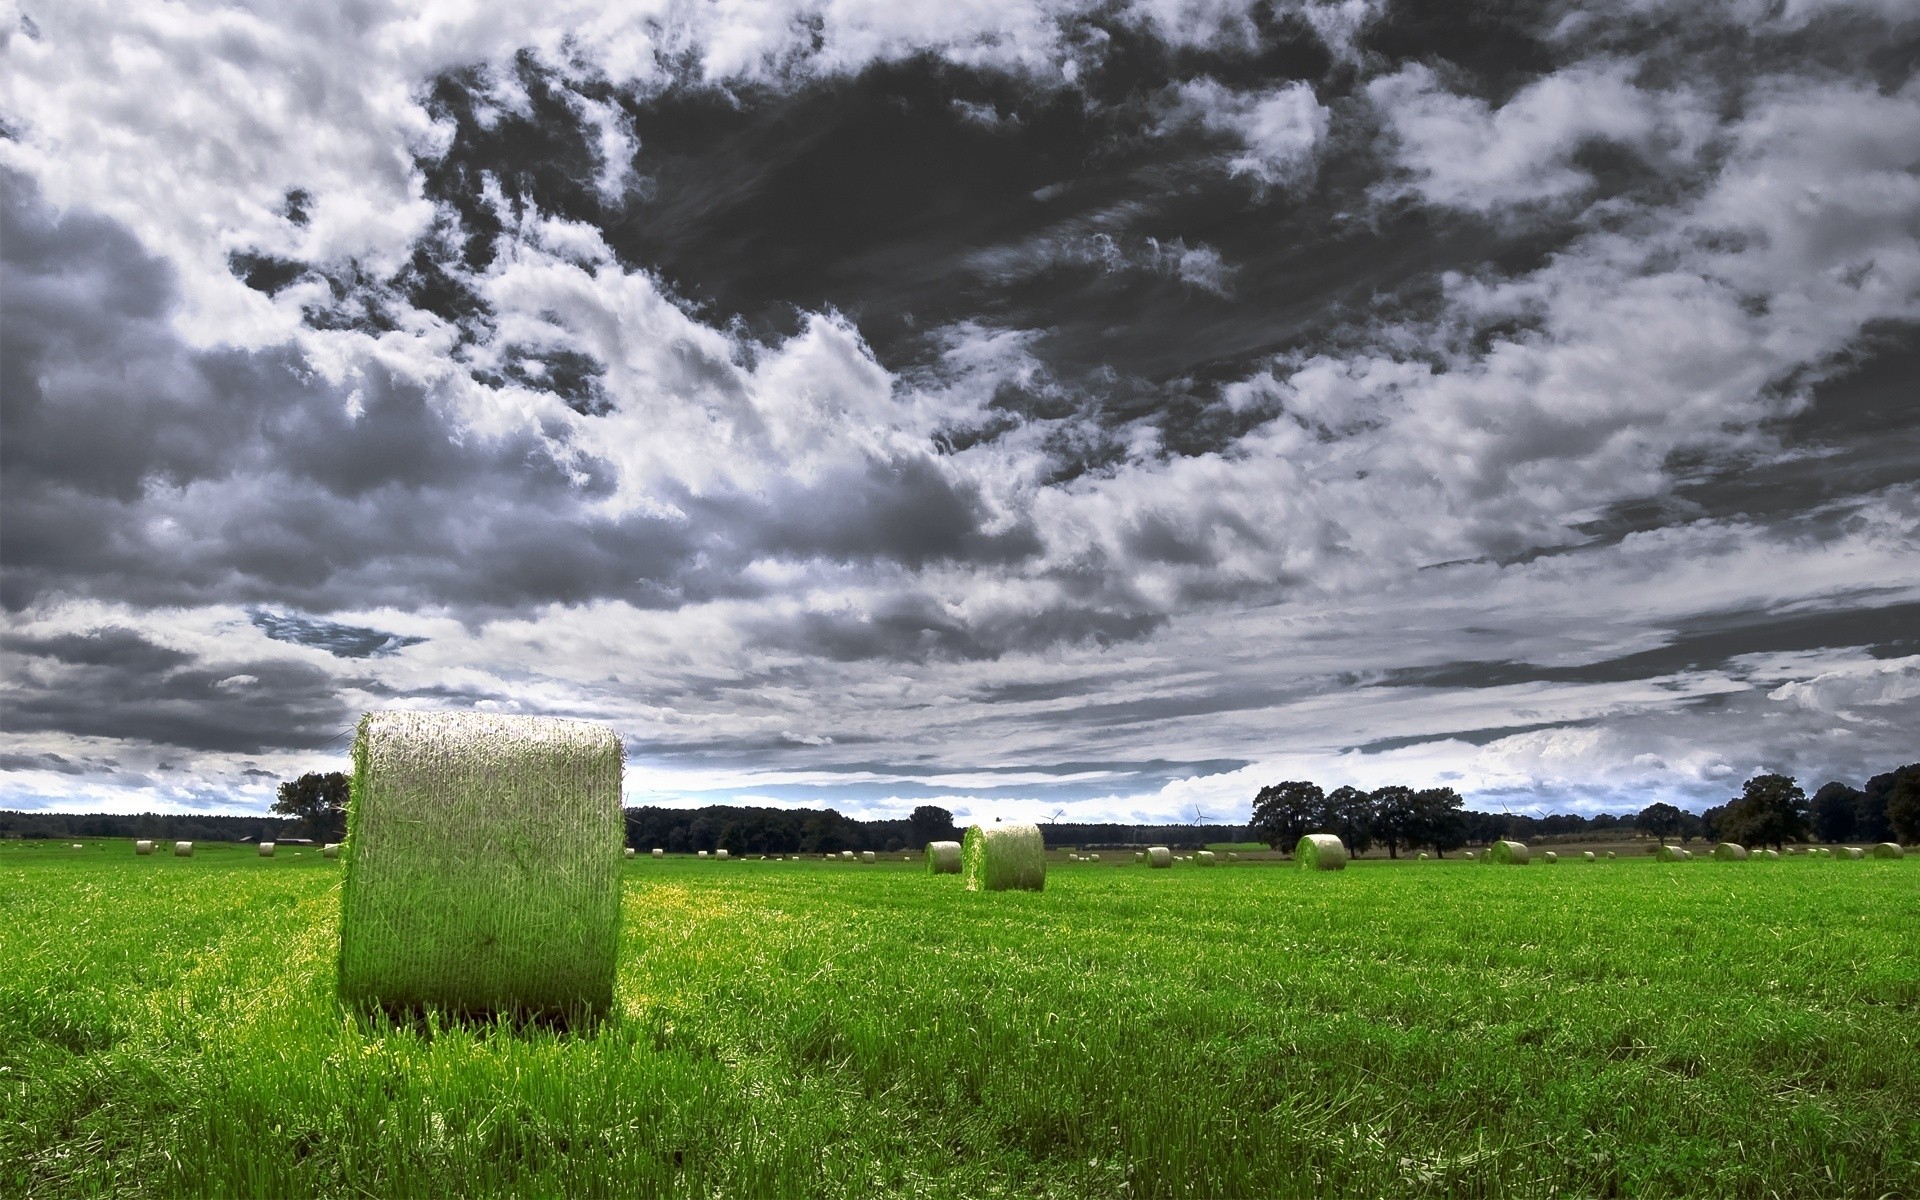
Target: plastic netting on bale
(998, 858)
(943, 858)
(1321, 852)
(482, 873)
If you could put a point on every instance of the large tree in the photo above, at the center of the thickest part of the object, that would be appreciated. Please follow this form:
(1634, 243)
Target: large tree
(1660, 819)
(1903, 803)
(1283, 813)
(1834, 808)
(1770, 810)
(320, 801)
(1391, 817)
(1437, 820)
(1347, 814)
(932, 824)
(1871, 822)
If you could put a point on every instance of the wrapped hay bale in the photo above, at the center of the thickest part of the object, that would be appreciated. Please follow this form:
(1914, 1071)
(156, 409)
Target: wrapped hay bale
(1550, 858)
(629, 852)
(846, 856)
(1159, 856)
(143, 846)
(1888, 850)
(330, 850)
(1509, 853)
(1093, 858)
(1855, 852)
(482, 877)
(1730, 852)
(867, 856)
(659, 853)
(1588, 856)
(183, 849)
(703, 854)
(1610, 854)
(1420, 857)
(1204, 858)
(266, 849)
(1770, 854)
(721, 854)
(996, 858)
(1668, 853)
(1139, 856)
(1321, 852)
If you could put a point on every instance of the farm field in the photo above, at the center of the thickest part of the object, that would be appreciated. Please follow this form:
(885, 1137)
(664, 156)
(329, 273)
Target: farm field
(168, 1027)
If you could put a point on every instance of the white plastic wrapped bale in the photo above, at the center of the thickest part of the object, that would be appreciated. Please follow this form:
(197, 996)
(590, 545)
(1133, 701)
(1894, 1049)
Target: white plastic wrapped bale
(484, 876)
(183, 849)
(846, 856)
(1321, 852)
(1610, 854)
(266, 849)
(1587, 856)
(1204, 858)
(1420, 857)
(1159, 856)
(659, 853)
(143, 846)
(1550, 857)
(721, 854)
(867, 856)
(629, 852)
(330, 850)
(1003, 857)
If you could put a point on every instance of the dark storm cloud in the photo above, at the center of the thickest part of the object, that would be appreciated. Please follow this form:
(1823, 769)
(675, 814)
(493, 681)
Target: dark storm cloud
(139, 469)
(341, 641)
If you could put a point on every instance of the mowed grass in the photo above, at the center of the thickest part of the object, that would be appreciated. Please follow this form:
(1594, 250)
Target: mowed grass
(168, 1026)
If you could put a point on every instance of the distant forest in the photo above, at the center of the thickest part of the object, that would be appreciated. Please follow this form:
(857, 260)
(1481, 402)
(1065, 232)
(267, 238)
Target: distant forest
(1836, 812)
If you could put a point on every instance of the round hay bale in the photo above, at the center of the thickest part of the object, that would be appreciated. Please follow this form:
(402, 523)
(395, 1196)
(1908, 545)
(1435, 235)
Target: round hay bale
(1610, 854)
(867, 856)
(1888, 850)
(629, 852)
(1509, 853)
(330, 850)
(1770, 854)
(1321, 852)
(846, 856)
(78, 846)
(266, 849)
(1232, 857)
(1093, 858)
(1730, 852)
(1588, 856)
(721, 854)
(703, 854)
(482, 878)
(1668, 853)
(1550, 858)
(999, 857)
(659, 853)
(1204, 858)
(143, 846)
(183, 849)
(1420, 857)
(1158, 857)
(1855, 852)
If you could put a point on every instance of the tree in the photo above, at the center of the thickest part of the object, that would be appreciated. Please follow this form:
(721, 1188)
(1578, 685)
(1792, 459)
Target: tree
(1283, 813)
(1770, 810)
(1872, 824)
(1834, 809)
(1347, 814)
(1390, 816)
(1438, 820)
(932, 824)
(320, 801)
(1903, 804)
(1660, 819)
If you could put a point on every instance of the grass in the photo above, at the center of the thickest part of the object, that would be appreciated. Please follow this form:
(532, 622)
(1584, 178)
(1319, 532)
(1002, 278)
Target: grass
(168, 1027)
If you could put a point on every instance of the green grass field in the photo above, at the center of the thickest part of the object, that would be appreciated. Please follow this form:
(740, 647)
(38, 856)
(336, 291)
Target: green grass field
(167, 1026)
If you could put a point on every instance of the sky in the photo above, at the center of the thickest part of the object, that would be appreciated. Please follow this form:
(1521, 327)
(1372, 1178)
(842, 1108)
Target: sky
(1030, 408)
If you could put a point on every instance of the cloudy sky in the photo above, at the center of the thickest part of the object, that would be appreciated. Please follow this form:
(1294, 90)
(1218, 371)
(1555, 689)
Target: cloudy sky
(1008, 404)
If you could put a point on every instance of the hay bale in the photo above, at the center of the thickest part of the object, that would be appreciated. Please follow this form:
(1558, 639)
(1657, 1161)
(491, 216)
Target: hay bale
(330, 850)
(659, 853)
(1587, 856)
(1158, 857)
(1730, 852)
(999, 857)
(1093, 858)
(1610, 854)
(1668, 853)
(143, 846)
(867, 856)
(1321, 852)
(1232, 857)
(183, 849)
(703, 854)
(1509, 853)
(1888, 850)
(846, 856)
(721, 854)
(266, 849)
(1204, 858)
(629, 852)
(482, 877)
(1855, 852)
(1420, 857)
(79, 846)
(1770, 854)
(1550, 858)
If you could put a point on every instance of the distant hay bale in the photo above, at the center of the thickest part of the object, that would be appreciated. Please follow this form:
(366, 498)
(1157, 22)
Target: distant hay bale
(1770, 853)
(1610, 854)
(143, 846)
(703, 854)
(78, 846)
(629, 852)
(846, 856)
(483, 877)
(1855, 852)
(1232, 857)
(1730, 852)
(867, 856)
(659, 853)
(1093, 858)
(1549, 858)
(1587, 856)
(183, 849)
(1204, 858)
(266, 849)
(721, 854)
(1158, 856)
(999, 857)
(330, 850)
(1668, 853)
(1888, 850)
(1420, 857)
(1507, 852)
(1321, 852)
